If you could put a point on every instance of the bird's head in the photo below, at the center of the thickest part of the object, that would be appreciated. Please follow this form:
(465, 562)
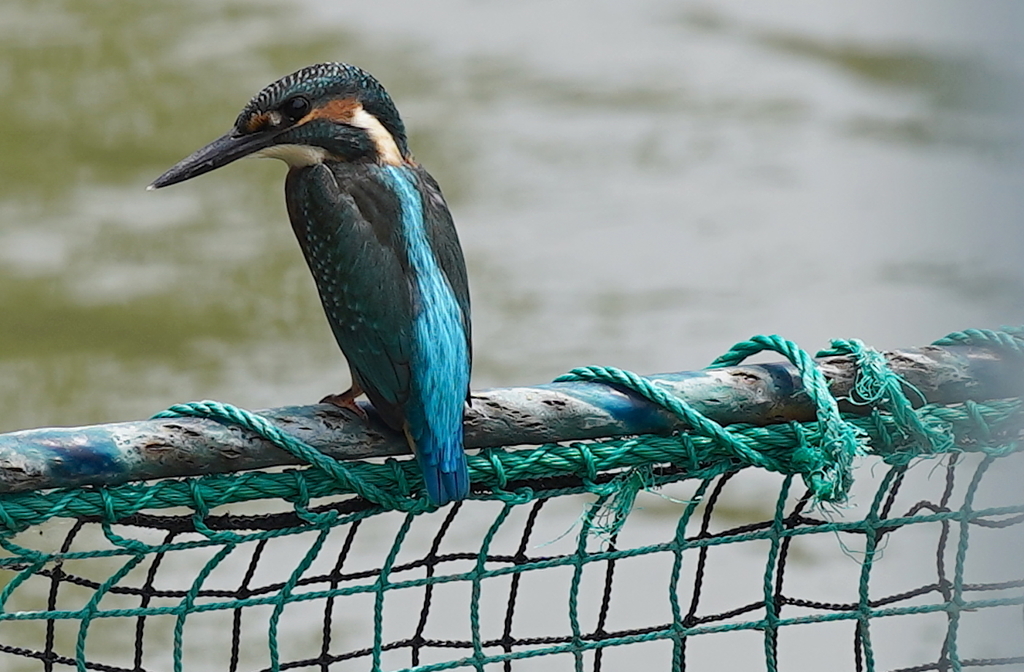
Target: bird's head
(328, 111)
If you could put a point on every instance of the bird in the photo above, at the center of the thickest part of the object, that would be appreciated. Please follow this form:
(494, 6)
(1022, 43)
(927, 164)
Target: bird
(380, 241)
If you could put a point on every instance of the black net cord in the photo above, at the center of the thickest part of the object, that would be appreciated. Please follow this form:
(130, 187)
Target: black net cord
(51, 600)
(428, 593)
(513, 591)
(791, 521)
(940, 560)
(606, 601)
(346, 548)
(689, 620)
(243, 591)
(433, 563)
(861, 638)
(147, 596)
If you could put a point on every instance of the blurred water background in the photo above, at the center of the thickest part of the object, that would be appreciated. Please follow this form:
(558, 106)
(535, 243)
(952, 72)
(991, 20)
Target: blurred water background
(638, 184)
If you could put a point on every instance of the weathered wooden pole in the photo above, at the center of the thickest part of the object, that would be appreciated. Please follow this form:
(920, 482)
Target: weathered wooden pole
(756, 394)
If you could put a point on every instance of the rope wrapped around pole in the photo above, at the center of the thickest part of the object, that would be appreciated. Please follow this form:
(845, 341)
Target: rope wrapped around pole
(967, 366)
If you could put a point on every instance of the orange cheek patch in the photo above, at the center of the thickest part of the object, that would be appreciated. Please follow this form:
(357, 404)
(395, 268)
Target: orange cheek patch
(257, 122)
(340, 110)
(350, 112)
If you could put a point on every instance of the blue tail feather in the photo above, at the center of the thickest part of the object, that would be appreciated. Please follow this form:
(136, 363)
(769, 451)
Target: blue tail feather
(447, 480)
(435, 430)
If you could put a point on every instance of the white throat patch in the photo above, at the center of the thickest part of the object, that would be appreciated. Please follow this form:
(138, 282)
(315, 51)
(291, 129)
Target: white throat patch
(296, 156)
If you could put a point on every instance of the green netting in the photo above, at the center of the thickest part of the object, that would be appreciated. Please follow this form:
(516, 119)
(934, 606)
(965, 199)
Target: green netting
(635, 553)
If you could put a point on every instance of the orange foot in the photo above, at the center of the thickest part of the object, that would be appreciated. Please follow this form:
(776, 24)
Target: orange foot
(347, 401)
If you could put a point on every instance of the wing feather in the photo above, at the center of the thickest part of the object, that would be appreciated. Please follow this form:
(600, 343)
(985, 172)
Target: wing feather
(444, 241)
(348, 226)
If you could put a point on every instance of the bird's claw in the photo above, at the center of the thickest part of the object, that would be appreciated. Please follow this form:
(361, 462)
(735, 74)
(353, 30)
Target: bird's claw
(347, 401)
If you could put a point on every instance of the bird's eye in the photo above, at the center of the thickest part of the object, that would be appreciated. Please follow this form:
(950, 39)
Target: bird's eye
(295, 108)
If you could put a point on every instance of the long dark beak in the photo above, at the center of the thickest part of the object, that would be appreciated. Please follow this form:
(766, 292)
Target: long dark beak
(220, 152)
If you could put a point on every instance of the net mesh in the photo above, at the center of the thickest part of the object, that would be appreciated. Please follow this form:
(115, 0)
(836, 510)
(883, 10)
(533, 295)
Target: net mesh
(649, 552)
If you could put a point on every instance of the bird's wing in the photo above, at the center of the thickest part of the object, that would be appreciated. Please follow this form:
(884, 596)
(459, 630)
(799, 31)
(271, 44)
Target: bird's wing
(348, 225)
(440, 230)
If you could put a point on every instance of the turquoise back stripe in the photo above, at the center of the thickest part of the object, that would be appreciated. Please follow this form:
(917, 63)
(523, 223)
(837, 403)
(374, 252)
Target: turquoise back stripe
(441, 359)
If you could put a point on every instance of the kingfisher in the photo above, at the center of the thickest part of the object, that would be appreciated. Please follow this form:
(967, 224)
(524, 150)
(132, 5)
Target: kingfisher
(380, 242)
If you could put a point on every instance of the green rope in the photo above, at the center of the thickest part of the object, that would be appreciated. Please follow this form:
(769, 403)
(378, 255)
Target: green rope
(699, 457)
(771, 609)
(1009, 340)
(823, 455)
(825, 464)
(878, 385)
(612, 472)
(347, 479)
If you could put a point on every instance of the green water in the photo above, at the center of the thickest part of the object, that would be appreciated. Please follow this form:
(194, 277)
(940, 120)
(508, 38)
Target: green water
(617, 210)
(116, 300)
(638, 185)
